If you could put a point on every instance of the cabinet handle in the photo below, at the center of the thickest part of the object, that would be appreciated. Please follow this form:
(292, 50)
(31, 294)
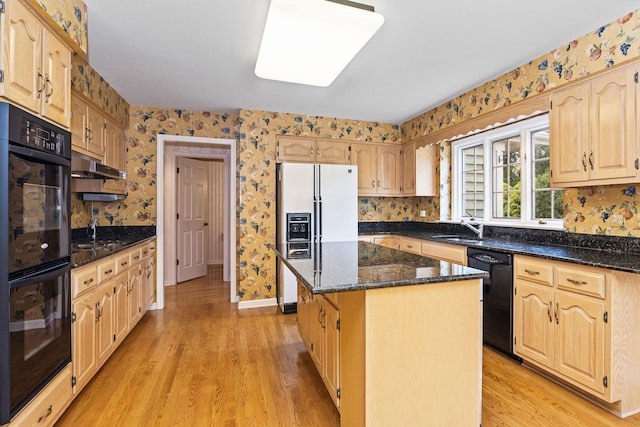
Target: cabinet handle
(318, 153)
(549, 308)
(532, 272)
(98, 311)
(109, 271)
(591, 160)
(556, 314)
(584, 161)
(48, 95)
(88, 281)
(577, 282)
(46, 414)
(378, 183)
(122, 264)
(41, 77)
(311, 153)
(373, 183)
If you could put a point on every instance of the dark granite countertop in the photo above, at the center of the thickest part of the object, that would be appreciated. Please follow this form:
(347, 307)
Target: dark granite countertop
(353, 266)
(595, 257)
(111, 240)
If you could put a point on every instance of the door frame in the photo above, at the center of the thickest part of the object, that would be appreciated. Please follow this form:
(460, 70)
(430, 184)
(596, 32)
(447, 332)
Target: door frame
(168, 148)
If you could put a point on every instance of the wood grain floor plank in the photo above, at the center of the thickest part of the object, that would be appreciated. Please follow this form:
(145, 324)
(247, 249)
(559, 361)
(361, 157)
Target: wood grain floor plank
(202, 362)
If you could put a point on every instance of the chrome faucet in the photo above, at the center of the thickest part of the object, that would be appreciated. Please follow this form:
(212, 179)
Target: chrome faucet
(470, 225)
(93, 226)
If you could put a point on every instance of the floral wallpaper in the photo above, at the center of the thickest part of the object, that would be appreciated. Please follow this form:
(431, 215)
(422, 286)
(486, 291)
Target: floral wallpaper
(593, 210)
(376, 209)
(256, 177)
(71, 15)
(85, 80)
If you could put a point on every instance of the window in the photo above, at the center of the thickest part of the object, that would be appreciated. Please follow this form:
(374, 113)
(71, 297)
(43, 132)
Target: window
(503, 175)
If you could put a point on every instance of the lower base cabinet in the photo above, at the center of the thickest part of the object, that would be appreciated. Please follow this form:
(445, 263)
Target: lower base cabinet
(579, 324)
(319, 327)
(49, 404)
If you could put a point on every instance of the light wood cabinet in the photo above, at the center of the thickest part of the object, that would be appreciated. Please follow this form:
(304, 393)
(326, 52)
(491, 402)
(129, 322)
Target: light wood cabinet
(311, 150)
(408, 244)
(37, 64)
(593, 130)
(387, 241)
(561, 322)
(87, 128)
(108, 299)
(93, 319)
(426, 181)
(115, 155)
(319, 326)
(48, 405)
(444, 251)
(379, 168)
(409, 169)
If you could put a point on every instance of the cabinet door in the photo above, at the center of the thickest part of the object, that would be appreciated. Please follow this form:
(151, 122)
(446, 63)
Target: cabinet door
(296, 150)
(579, 339)
(24, 76)
(613, 127)
(121, 315)
(317, 332)
(387, 241)
(409, 169)
(57, 74)
(364, 156)
(332, 152)
(426, 171)
(95, 132)
(84, 340)
(389, 170)
(79, 123)
(105, 324)
(569, 134)
(133, 297)
(302, 315)
(533, 322)
(150, 284)
(332, 355)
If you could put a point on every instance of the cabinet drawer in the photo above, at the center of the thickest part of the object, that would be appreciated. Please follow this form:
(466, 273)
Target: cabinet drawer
(148, 250)
(106, 270)
(410, 245)
(582, 280)
(445, 252)
(49, 404)
(83, 279)
(387, 241)
(534, 269)
(122, 262)
(136, 255)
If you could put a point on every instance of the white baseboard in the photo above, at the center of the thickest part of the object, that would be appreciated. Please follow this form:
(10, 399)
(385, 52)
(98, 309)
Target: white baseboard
(269, 302)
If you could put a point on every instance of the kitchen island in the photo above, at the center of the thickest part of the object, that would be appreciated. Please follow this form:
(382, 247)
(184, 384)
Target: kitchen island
(397, 337)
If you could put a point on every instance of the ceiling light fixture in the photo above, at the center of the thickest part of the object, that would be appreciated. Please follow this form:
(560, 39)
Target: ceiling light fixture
(311, 41)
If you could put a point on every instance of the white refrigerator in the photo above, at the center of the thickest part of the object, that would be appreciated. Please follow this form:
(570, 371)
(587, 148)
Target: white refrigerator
(330, 194)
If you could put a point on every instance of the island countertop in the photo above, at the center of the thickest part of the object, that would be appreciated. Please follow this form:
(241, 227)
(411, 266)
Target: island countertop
(352, 266)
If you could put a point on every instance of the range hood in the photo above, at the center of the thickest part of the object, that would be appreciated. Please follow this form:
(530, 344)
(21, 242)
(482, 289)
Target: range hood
(85, 167)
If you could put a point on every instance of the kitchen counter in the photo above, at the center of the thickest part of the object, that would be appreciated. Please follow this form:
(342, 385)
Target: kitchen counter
(396, 336)
(596, 257)
(109, 241)
(353, 266)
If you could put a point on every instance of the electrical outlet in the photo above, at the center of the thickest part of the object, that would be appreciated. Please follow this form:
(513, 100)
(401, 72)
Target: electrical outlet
(617, 220)
(423, 213)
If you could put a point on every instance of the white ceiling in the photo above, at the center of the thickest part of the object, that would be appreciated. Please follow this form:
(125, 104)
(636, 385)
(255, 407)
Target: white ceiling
(200, 54)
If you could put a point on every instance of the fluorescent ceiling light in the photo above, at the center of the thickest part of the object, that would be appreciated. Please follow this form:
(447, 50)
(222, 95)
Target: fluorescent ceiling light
(311, 41)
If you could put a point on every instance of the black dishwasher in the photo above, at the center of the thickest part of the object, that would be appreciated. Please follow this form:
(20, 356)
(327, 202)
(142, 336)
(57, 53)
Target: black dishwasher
(497, 311)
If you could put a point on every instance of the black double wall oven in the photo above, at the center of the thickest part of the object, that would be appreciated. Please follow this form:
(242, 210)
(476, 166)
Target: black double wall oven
(35, 249)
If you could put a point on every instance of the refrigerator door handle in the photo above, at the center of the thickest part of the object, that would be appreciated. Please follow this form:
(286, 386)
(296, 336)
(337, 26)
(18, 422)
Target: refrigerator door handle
(319, 192)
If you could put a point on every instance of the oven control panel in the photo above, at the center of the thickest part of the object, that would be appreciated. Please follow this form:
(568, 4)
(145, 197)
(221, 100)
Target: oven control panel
(42, 137)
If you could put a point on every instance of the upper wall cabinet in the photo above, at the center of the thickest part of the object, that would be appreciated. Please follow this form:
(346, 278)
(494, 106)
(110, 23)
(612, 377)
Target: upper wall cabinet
(37, 65)
(593, 130)
(419, 170)
(379, 168)
(309, 150)
(87, 128)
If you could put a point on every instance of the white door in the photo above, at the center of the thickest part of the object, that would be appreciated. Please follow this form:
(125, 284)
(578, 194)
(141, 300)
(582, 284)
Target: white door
(192, 220)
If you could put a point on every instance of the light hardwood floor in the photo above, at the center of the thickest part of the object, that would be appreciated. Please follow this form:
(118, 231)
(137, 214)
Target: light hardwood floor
(202, 362)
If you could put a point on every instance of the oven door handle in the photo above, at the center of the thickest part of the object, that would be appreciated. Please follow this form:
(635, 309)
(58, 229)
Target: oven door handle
(39, 155)
(47, 275)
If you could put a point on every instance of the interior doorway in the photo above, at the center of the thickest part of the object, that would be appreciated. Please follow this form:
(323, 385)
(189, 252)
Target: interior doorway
(171, 147)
